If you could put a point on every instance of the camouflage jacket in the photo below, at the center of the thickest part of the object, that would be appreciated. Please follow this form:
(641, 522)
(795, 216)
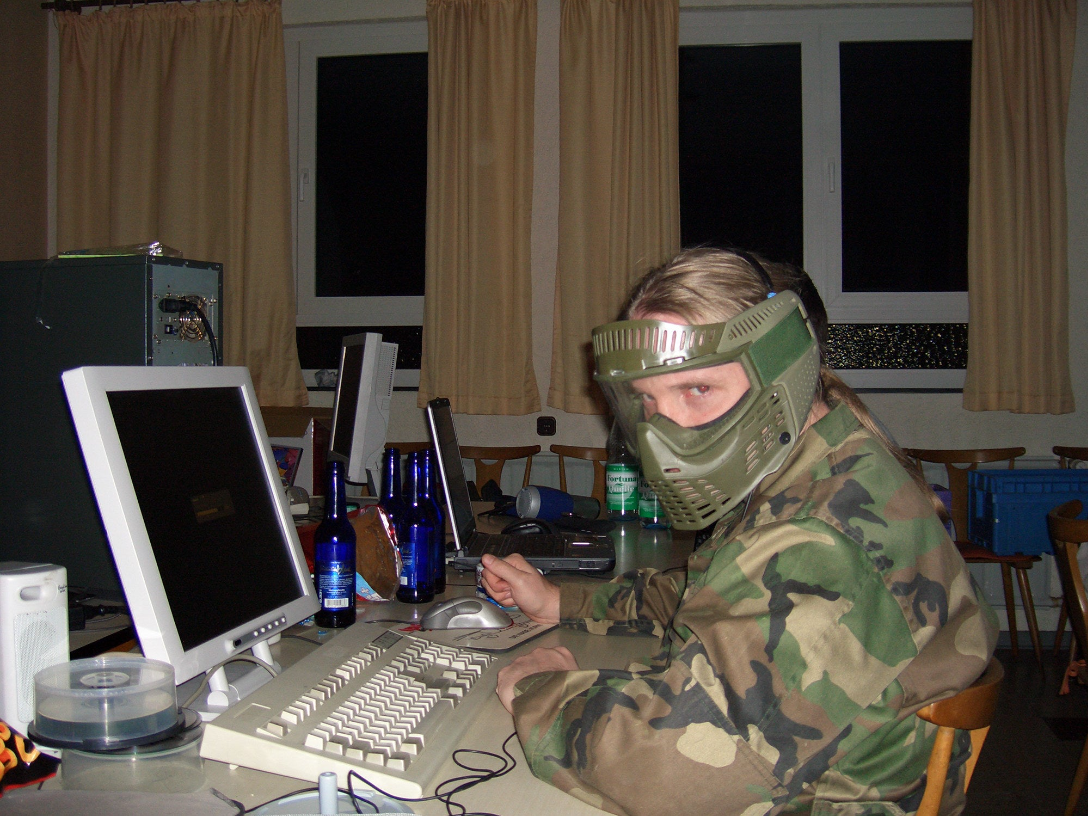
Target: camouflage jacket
(797, 645)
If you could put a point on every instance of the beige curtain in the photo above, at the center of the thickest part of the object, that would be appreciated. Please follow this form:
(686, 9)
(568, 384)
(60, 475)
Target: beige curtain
(477, 325)
(619, 195)
(173, 127)
(1017, 266)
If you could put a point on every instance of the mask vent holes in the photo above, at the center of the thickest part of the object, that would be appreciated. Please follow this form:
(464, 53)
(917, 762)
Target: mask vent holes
(752, 322)
(690, 501)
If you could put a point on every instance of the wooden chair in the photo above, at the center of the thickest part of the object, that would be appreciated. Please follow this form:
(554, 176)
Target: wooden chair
(1067, 533)
(489, 461)
(970, 710)
(598, 456)
(1068, 457)
(957, 463)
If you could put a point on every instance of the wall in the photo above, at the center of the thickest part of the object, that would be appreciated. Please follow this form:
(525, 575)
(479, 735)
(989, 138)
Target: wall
(23, 32)
(939, 420)
(918, 419)
(915, 418)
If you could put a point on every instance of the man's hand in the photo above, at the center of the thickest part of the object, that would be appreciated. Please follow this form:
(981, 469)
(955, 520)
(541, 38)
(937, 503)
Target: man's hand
(539, 660)
(513, 581)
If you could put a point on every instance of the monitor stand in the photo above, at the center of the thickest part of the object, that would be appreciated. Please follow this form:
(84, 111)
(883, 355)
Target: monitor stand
(233, 682)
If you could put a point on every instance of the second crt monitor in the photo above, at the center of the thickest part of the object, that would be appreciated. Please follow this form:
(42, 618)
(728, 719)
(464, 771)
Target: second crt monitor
(360, 414)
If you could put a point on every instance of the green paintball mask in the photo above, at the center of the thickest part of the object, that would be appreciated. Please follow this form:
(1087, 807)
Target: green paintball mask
(701, 473)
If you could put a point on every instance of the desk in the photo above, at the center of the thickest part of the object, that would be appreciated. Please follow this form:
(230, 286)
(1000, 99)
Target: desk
(518, 793)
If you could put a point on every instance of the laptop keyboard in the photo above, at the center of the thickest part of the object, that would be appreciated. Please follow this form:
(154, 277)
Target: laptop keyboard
(540, 545)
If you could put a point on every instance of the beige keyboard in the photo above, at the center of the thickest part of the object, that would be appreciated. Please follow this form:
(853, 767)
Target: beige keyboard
(389, 706)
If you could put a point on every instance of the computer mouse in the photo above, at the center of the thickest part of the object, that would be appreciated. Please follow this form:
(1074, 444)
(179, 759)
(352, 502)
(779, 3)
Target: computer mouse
(530, 526)
(465, 613)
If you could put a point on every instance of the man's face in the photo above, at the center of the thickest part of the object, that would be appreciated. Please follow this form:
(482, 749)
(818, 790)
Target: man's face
(693, 397)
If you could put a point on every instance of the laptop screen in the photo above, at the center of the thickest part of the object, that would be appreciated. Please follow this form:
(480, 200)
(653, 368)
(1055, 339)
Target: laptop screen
(440, 420)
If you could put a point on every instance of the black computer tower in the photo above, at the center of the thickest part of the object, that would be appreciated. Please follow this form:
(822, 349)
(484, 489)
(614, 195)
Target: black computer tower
(69, 312)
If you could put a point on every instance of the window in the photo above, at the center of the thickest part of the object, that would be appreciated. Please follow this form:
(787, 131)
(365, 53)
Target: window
(360, 147)
(370, 215)
(741, 175)
(906, 116)
(838, 139)
(834, 137)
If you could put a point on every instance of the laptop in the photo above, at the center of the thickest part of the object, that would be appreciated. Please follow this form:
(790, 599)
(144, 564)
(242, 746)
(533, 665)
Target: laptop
(567, 551)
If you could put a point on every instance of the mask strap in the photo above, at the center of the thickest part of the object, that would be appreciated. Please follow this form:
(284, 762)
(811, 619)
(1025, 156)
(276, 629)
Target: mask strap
(758, 267)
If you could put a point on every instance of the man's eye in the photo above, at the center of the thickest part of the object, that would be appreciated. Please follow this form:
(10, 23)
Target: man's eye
(699, 390)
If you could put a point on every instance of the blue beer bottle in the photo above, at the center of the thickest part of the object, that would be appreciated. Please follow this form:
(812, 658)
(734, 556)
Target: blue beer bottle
(415, 534)
(334, 556)
(391, 500)
(431, 497)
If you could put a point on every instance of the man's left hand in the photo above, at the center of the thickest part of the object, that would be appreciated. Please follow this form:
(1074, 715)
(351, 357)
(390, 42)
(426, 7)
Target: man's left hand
(539, 660)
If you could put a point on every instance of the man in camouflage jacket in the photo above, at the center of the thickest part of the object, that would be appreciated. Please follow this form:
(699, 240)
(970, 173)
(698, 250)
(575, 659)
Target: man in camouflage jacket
(797, 645)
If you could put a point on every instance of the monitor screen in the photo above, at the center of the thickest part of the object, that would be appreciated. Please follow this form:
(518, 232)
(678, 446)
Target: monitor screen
(360, 414)
(194, 509)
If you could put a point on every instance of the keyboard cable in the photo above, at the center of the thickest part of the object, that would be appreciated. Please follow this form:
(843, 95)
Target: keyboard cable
(476, 776)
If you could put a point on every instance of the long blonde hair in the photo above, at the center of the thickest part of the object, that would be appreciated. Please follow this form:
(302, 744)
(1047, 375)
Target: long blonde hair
(706, 285)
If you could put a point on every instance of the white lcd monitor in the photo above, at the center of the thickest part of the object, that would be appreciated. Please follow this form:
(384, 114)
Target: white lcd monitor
(195, 513)
(360, 413)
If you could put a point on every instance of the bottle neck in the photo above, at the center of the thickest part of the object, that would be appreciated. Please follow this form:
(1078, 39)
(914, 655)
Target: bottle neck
(391, 476)
(416, 488)
(336, 505)
(426, 477)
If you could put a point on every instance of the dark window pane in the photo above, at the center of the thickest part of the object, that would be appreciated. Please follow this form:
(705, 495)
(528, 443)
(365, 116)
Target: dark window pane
(905, 121)
(740, 148)
(371, 175)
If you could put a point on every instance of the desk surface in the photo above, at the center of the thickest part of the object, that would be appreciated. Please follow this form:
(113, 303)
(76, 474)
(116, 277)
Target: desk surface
(517, 793)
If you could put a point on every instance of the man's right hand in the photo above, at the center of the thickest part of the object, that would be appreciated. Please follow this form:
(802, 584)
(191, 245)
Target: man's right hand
(512, 581)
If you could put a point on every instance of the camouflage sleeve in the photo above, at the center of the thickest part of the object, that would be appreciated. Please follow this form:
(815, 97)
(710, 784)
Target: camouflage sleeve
(790, 656)
(637, 602)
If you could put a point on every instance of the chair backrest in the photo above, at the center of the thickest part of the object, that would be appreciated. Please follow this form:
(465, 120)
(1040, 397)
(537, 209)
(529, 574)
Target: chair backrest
(598, 456)
(970, 710)
(1067, 533)
(1069, 456)
(957, 463)
(489, 461)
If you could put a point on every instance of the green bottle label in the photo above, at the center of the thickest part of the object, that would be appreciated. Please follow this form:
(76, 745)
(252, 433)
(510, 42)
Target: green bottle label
(621, 488)
(648, 504)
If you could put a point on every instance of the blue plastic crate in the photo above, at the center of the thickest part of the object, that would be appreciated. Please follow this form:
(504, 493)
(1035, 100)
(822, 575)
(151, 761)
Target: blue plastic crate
(1006, 509)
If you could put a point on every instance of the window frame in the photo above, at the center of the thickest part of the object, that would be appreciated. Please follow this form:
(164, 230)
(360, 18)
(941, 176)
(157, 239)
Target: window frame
(819, 32)
(304, 46)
